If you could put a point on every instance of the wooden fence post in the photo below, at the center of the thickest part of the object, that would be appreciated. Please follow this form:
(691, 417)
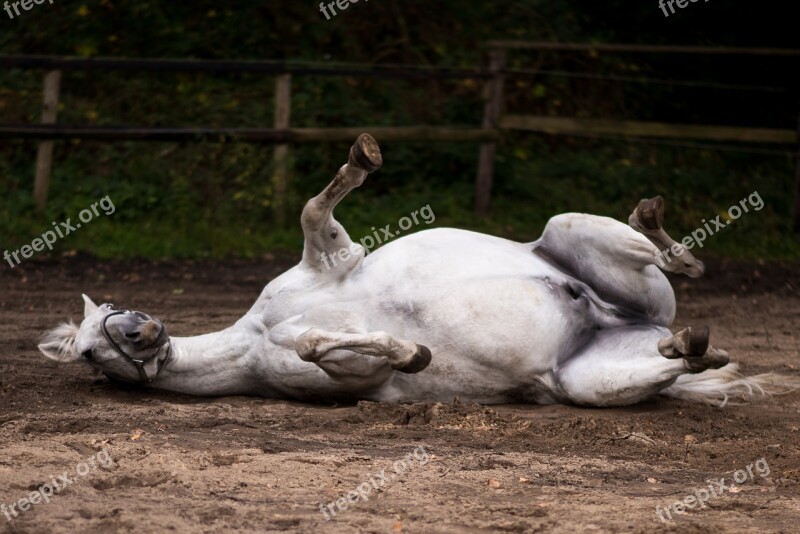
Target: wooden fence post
(44, 155)
(283, 110)
(493, 107)
(797, 184)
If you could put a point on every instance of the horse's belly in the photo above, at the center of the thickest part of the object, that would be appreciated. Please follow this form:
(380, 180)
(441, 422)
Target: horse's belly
(486, 304)
(487, 330)
(494, 340)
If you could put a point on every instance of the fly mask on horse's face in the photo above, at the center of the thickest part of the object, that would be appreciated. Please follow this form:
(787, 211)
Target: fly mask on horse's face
(126, 345)
(145, 335)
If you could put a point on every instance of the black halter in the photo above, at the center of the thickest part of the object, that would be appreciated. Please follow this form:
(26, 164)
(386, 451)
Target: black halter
(139, 364)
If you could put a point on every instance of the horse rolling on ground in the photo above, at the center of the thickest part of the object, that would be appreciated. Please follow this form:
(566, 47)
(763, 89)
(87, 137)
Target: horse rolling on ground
(579, 316)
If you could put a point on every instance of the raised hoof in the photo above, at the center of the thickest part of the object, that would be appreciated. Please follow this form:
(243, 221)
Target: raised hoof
(649, 214)
(688, 343)
(420, 360)
(365, 154)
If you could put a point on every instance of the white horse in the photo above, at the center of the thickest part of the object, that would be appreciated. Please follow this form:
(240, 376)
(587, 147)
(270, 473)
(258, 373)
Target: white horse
(579, 316)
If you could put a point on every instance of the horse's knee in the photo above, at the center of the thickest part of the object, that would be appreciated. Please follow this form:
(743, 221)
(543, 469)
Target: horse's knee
(306, 344)
(558, 226)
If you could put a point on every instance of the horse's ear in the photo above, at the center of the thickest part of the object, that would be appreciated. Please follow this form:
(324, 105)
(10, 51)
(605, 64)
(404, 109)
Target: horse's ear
(88, 306)
(59, 343)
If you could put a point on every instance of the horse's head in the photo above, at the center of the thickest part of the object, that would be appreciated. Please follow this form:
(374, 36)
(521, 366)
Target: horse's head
(126, 345)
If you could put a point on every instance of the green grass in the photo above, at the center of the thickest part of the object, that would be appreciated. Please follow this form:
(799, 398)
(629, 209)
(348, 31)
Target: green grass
(215, 200)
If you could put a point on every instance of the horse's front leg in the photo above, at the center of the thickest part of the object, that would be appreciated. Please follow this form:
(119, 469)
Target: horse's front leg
(338, 342)
(328, 252)
(328, 248)
(403, 355)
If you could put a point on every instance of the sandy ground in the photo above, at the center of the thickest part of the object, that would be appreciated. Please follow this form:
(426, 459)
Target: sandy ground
(164, 462)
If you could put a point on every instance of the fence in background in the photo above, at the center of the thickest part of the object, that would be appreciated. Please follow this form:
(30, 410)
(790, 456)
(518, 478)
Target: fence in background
(282, 134)
(637, 129)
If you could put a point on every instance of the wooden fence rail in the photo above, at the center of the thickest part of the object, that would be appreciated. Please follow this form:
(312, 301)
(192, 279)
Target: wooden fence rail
(662, 130)
(653, 49)
(252, 135)
(413, 72)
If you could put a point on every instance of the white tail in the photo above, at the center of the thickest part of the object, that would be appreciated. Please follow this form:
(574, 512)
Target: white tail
(718, 387)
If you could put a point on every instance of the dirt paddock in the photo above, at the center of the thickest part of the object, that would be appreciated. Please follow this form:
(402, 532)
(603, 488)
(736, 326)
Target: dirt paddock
(185, 464)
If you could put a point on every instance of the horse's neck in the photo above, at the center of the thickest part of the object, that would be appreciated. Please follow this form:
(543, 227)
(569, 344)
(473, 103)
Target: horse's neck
(213, 364)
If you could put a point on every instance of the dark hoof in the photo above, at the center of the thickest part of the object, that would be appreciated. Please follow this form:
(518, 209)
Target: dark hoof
(688, 343)
(650, 213)
(697, 342)
(418, 362)
(365, 154)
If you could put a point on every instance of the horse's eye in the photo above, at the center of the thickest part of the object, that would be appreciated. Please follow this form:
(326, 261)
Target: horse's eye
(87, 354)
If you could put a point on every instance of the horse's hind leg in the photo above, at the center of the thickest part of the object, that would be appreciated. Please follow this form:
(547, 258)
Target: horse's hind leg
(621, 262)
(624, 365)
(328, 248)
(648, 219)
(617, 262)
